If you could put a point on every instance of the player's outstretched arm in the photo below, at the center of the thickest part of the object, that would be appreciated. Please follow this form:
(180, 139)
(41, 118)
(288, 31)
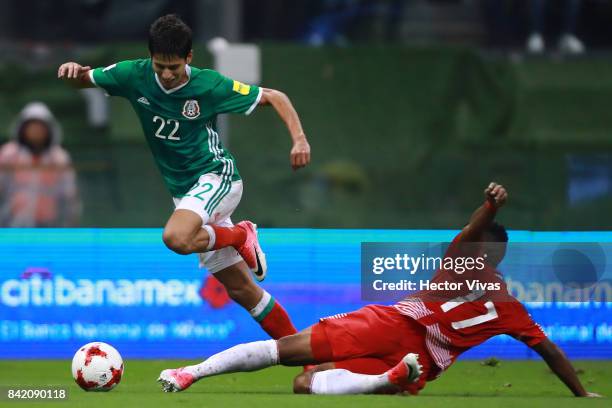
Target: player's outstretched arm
(75, 74)
(300, 152)
(495, 197)
(561, 366)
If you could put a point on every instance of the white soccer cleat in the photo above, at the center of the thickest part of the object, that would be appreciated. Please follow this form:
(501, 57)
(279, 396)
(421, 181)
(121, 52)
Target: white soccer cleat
(251, 251)
(175, 380)
(412, 362)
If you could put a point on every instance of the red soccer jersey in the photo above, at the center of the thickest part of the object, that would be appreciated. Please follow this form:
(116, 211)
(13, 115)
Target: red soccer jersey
(456, 324)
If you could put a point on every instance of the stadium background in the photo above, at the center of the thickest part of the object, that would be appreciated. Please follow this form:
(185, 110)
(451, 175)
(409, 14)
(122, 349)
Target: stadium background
(405, 132)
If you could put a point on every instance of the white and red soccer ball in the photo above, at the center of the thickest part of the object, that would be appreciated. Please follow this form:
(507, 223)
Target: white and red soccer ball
(97, 366)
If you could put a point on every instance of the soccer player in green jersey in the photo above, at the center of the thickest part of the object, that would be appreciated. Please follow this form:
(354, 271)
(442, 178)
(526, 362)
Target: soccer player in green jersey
(177, 105)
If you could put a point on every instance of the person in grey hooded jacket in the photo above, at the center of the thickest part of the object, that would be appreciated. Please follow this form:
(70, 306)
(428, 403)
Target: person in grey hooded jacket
(37, 180)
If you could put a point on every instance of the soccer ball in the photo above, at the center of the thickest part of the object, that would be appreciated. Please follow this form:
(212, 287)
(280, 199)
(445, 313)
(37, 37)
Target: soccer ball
(97, 367)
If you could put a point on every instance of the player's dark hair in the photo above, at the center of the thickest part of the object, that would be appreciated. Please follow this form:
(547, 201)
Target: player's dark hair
(170, 36)
(498, 231)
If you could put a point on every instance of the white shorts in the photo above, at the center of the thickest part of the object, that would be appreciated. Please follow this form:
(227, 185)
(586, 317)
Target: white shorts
(214, 199)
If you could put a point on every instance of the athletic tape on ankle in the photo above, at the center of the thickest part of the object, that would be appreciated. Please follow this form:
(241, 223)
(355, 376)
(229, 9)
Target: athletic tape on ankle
(212, 237)
(318, 383)
(263, 308)
(274, 359)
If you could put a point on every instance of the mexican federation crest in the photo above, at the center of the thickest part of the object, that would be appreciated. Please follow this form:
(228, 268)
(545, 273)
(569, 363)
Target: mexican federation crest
(191, 109)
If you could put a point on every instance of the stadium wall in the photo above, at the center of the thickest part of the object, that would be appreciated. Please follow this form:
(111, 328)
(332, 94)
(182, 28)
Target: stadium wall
(60, 289)
(402, 137)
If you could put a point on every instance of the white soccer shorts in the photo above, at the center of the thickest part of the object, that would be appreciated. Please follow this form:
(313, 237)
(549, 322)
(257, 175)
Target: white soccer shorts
(214, 199)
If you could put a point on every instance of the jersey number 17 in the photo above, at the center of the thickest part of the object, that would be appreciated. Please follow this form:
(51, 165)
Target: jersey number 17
(473, 321)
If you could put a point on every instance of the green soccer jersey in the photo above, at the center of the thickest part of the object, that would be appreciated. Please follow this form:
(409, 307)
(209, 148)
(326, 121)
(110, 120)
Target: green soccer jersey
(180, 124)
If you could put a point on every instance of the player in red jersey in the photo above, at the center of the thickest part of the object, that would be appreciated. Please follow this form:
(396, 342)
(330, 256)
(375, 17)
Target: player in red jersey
(382, 349)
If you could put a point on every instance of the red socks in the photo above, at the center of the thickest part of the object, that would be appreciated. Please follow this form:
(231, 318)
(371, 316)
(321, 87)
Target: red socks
(272, 317)
(277, 323)
(398, 375)
(226, 236)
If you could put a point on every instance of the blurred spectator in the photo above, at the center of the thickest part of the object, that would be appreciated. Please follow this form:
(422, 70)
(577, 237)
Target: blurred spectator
(568, 42)
(330, 26)
(339, 16)
(37, 180)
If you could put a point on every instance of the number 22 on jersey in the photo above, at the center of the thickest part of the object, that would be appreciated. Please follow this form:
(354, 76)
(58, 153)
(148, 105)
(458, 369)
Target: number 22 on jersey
(166, 129)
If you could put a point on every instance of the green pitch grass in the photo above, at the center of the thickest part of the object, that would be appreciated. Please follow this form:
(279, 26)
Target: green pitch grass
(466, 384)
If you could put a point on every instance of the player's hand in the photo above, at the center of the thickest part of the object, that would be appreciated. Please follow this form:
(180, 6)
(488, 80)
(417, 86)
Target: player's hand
(71, 70)
(300, 153)
(496, 194)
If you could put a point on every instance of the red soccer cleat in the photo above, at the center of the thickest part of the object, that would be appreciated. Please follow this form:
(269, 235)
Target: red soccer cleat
(175, 380)
(251, 252)
(406, 371)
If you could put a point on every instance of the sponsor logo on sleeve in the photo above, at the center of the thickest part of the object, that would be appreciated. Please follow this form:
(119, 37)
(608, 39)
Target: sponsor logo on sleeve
(241, 88)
